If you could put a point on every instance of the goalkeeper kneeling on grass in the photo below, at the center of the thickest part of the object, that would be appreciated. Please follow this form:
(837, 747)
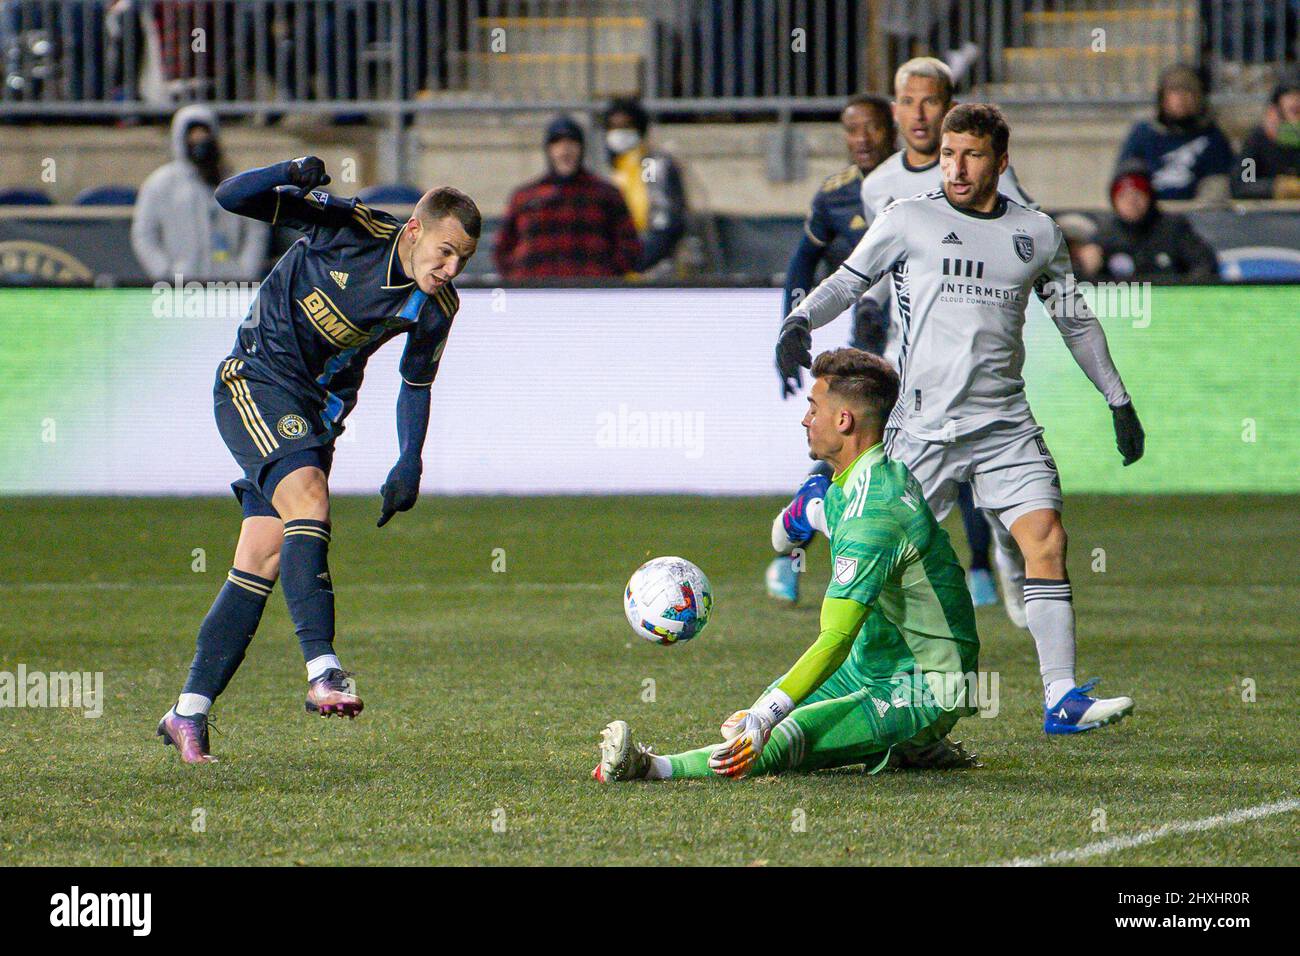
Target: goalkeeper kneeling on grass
(895, 665)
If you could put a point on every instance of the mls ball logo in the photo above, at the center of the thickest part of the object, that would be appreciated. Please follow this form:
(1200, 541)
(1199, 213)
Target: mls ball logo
(292, 426)
(1024, 246)
(845, 569)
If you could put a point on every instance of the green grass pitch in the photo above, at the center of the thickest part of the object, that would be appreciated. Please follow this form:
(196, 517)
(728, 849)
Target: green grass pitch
(485, 690)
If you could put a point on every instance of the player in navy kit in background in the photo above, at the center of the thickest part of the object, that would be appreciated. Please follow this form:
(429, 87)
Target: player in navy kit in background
(357, 278)
(834, 225)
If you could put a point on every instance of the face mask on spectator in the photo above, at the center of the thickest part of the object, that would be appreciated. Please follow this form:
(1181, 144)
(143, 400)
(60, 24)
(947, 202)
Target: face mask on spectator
(1288, 134)
(620, 141)
(202, 153)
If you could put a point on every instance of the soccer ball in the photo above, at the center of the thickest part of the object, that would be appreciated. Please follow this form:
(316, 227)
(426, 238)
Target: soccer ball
(668, 600)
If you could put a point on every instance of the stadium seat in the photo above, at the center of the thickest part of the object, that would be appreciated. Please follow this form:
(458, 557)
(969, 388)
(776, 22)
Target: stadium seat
(391, 194)
(22, 196)
(105, 196)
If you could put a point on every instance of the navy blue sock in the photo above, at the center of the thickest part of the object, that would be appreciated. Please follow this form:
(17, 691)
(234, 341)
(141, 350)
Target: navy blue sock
(978, 534)
(226, 632)
(308, 590)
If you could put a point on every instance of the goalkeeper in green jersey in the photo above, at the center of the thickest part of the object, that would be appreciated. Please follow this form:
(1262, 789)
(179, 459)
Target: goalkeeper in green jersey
(895, 664)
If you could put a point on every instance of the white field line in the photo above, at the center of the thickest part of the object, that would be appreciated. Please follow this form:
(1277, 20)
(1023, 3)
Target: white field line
(1102, 847)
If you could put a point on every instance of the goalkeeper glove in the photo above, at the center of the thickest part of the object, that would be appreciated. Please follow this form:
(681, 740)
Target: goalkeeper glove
(746, 732)
(793, 350)
(400, 490)
(307, 172)
(1130, 439)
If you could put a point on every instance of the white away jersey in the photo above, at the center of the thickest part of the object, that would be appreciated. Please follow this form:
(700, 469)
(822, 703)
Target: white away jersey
(962, 281)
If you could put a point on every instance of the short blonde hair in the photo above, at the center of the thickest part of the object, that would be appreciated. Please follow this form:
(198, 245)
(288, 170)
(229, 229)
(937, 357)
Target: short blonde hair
(926, 66)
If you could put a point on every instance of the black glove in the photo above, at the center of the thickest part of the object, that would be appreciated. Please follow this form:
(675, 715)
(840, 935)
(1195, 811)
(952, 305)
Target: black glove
(400, 490)
(793, 350)
(308, 172)
(1130, 439)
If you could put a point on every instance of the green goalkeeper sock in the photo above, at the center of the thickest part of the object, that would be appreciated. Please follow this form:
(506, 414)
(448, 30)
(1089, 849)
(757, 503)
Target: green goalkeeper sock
(832, 733)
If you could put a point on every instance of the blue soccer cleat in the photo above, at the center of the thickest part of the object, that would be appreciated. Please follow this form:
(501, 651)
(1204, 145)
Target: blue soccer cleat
(983, 592)
(783, 580)
(1076, 711)
(794, 517)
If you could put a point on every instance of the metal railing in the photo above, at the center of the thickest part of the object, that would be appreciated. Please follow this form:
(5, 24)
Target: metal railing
(115, 57)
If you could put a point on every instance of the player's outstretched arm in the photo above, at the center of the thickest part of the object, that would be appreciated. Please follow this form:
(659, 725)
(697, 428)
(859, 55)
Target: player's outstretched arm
(1086, 340)
(747, 731)
(875, 254)
(403, 485)
(254, 193)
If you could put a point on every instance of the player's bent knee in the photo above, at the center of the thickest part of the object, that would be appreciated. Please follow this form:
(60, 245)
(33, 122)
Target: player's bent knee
(258, 551)
(303, 494)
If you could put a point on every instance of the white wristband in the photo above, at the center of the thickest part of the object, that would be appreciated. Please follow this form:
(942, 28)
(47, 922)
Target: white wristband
(773, 707)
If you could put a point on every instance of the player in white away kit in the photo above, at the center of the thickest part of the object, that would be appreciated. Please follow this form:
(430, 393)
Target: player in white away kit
(923, 95)
(964, 260)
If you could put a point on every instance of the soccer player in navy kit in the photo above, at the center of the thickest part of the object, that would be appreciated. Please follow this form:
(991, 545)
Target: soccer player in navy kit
(834, 226)
(355, 279)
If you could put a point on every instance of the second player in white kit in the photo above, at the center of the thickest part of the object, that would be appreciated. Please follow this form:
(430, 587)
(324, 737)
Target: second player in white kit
(965, 261)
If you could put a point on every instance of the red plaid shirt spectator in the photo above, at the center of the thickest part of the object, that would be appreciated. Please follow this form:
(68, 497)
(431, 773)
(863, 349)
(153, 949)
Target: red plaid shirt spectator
(569, 223)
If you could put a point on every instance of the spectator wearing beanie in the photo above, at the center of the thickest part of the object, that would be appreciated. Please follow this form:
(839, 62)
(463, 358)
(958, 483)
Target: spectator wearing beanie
(1140, 241)
(1184, 148)
(568, 223)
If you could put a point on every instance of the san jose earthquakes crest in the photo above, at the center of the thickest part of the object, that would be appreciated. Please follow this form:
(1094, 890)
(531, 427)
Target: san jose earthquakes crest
(1024, 246)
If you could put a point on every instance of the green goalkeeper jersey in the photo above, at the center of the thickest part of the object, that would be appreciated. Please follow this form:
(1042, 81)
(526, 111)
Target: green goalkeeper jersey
(897, 593)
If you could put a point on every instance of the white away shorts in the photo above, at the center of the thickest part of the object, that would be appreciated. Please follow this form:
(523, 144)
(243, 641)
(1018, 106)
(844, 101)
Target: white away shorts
(1009, 467)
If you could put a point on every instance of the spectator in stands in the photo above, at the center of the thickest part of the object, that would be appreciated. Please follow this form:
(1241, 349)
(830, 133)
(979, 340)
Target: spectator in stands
(569, 222)
(1140, 241)
(1269, 166)
(1187, 153)
(649, 179)
(178, 227)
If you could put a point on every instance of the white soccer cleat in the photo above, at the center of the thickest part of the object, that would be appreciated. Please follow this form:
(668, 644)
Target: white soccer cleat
(1078, 711)
(620, 759)
(1011, 582)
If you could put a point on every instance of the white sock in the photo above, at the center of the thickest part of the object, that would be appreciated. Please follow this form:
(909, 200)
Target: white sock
(816, 512)
(1057, 689)
(190, 704)
(319, 665)
(1049, 611)
(661, 768)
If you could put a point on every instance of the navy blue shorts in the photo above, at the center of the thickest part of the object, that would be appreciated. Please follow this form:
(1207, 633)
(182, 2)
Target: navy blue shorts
(269, 431)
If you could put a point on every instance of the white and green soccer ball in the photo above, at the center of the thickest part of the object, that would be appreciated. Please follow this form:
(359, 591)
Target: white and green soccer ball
(668, 600)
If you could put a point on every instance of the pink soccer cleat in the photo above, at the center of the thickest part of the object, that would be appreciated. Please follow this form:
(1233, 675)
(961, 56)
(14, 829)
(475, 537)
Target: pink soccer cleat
(331, 694)
(189, 735)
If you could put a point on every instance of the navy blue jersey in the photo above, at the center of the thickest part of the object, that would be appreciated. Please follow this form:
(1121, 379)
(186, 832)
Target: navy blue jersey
(335, 297)
(835, 222)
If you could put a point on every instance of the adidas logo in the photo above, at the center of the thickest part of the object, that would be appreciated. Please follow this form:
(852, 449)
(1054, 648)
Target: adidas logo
(881, 706)
(341, 278)
(951, 240)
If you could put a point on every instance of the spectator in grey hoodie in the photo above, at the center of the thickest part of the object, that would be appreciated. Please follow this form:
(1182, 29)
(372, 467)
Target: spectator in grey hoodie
(178, 226)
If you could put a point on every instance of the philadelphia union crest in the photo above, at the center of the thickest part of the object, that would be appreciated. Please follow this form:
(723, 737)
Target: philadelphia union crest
(292, 426)
(1024, 246)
